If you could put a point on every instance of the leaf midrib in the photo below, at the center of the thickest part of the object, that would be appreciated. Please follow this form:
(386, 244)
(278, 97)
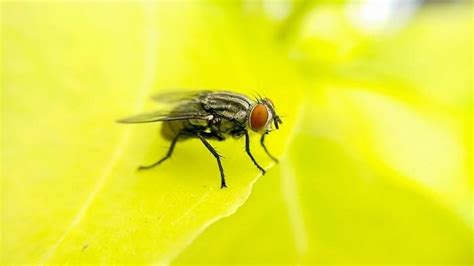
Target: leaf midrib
(149, 65)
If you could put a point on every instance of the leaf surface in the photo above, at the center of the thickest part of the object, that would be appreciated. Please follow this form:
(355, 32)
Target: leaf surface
(72, 191)
(380, 169)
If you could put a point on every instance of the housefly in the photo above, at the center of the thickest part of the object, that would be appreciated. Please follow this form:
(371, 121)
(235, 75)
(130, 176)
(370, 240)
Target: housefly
(211, 115)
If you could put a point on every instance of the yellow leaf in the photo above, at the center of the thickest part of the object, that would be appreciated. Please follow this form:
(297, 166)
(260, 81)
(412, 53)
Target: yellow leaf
(72, 192)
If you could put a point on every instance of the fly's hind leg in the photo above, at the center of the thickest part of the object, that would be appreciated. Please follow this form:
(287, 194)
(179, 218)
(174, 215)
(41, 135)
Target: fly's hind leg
(167, 156)
(262, 142)
(247, 149)
(216, 155)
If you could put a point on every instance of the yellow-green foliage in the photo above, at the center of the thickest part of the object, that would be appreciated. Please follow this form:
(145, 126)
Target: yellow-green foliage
(376, 151)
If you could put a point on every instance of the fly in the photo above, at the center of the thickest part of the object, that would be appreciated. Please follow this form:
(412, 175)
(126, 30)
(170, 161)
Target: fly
(211, 115)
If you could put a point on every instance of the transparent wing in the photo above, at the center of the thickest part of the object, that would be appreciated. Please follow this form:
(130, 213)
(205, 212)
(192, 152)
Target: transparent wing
(163, 116)
(177, 96)
(182, 103)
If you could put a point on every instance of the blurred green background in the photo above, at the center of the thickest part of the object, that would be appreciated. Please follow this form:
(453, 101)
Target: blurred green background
(376, 145)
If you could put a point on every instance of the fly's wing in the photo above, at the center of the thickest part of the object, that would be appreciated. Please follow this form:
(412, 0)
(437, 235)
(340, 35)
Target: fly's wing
(163, 116)
(185, 106)
(171, 97)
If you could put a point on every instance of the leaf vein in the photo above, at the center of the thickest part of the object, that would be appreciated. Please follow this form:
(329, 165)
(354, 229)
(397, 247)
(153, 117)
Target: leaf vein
(289, 189)
(148, 79)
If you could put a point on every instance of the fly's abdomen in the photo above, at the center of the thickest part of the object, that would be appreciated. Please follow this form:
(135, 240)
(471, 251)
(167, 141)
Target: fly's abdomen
(170, 129)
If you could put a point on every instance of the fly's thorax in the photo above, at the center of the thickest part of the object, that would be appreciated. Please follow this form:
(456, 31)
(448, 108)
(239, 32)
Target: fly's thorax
(227, 105)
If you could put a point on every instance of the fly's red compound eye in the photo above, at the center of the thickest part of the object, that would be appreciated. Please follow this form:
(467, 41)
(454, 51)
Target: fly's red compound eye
(258, 117)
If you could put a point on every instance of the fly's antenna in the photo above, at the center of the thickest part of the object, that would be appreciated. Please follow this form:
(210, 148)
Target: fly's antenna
(279, 118)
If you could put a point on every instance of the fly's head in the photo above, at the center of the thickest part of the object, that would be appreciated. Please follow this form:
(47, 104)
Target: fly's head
(263, 116)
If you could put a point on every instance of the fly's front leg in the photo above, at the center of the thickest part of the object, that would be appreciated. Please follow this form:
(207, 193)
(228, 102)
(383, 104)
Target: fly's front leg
(262, 142)
(216, 155)
(247, 149)
(167, 156)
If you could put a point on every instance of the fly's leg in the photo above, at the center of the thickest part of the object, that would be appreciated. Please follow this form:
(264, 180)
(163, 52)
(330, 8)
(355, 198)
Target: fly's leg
(262, 142)
(247, 149)
(211, 135)
(216, 155)
(167, 156)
